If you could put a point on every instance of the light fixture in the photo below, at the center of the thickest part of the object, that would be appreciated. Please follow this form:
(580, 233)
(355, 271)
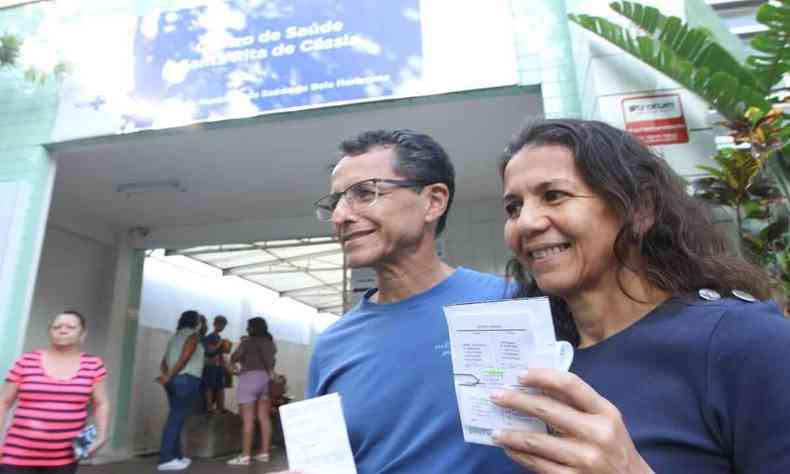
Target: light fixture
(167, 185)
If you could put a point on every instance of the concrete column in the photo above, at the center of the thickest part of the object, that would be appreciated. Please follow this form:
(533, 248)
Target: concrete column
(119, 354)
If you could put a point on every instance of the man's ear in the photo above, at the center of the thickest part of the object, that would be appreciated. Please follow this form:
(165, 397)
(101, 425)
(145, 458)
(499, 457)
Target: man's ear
(437, 198)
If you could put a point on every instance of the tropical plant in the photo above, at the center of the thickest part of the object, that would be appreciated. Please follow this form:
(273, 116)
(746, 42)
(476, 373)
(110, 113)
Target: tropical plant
(691, 56)
(10, 46)
(738, 181)
(9, 49)
(752, 175)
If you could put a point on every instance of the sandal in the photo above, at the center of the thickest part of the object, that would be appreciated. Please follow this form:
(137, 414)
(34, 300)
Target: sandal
(239, 460)
(262, 457)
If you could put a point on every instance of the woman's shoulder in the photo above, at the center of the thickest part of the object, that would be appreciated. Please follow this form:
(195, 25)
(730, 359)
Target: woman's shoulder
(263, 343)
(92, 358)
(744, 310)
(262, 340)
(749, 330)
(92, 363)
(724, 323)
(752, 316)
(30, 357)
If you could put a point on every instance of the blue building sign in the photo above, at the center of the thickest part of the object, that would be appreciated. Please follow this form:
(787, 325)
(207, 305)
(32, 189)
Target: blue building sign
(241, 58)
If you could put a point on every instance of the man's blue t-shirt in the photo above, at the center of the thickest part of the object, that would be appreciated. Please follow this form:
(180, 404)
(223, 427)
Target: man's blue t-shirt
(391, 365)
(703, 386)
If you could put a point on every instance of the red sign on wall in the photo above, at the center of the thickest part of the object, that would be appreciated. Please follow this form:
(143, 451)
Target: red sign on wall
(656, 119)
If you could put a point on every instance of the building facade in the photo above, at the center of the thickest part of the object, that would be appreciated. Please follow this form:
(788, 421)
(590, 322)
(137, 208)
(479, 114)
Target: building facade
(188, 123)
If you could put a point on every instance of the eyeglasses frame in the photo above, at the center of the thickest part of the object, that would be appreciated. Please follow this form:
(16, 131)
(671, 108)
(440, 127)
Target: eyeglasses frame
(338, 196)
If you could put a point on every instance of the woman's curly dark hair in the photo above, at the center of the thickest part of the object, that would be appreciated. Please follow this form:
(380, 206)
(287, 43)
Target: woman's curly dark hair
(682, 251)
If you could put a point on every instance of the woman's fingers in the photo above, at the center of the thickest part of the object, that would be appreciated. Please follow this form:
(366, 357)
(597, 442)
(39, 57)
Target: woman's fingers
(561, 451)
(567, 387)
(533, 462)
(593, 436)
(561, 417)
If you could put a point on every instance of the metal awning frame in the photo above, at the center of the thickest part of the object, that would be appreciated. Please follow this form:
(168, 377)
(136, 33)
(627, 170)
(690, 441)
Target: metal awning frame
(324, 274)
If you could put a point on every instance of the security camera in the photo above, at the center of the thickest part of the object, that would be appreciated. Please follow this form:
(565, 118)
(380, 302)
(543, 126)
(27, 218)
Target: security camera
(139, 231)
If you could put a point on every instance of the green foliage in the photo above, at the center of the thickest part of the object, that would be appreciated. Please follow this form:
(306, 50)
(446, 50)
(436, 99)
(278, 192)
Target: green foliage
(753, 177)
(739, 180)
(695, 45)
(773, 59)
(9, 54)
(688, 55)
(9, 49)
(730, 182)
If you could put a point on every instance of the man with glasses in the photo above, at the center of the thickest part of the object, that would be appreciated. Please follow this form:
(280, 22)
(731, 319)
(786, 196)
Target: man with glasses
(389, 357)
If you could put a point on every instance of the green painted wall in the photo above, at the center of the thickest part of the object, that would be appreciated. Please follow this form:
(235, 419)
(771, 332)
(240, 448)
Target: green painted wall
(543, 45)
(27, 113)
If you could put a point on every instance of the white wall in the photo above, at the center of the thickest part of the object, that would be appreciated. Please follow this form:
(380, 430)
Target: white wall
(474, 237)
(75, 272)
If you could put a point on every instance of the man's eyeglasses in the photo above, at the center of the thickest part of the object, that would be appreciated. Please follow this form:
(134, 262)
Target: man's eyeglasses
(363, 193)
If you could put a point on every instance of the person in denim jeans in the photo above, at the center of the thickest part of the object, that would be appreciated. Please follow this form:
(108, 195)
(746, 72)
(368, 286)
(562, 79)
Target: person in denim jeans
(182, 367)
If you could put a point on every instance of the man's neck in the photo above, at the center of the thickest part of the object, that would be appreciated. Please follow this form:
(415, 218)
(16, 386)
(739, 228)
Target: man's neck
(408, 277)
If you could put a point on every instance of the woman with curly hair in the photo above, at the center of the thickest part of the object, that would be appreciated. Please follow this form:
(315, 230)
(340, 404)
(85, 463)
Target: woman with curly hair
(680, 365)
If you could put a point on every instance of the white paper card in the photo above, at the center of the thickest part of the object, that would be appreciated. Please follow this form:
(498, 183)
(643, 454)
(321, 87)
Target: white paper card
(491, 343)
(316, 438)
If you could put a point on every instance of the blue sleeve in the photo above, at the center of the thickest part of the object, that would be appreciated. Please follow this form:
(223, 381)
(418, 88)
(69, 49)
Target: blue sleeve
(314, 373)
(749, 388)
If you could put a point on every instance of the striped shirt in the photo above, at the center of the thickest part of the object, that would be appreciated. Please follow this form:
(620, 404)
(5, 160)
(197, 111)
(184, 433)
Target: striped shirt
(50, 412)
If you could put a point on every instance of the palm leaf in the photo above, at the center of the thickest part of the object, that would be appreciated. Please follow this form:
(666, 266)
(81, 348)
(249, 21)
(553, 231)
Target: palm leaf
(695, 45)
(721, 89)
(773, 62)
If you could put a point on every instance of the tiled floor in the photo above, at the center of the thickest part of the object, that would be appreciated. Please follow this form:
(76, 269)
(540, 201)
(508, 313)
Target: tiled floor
(147, 464)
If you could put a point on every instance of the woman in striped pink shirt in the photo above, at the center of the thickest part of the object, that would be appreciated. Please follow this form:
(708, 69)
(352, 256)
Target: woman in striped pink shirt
(53, 388)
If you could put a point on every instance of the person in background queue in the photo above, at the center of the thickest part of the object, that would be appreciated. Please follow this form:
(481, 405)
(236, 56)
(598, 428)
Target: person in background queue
(255, 357)
(214, 367)
(679, 366)
(181, 369)
(53, 388)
